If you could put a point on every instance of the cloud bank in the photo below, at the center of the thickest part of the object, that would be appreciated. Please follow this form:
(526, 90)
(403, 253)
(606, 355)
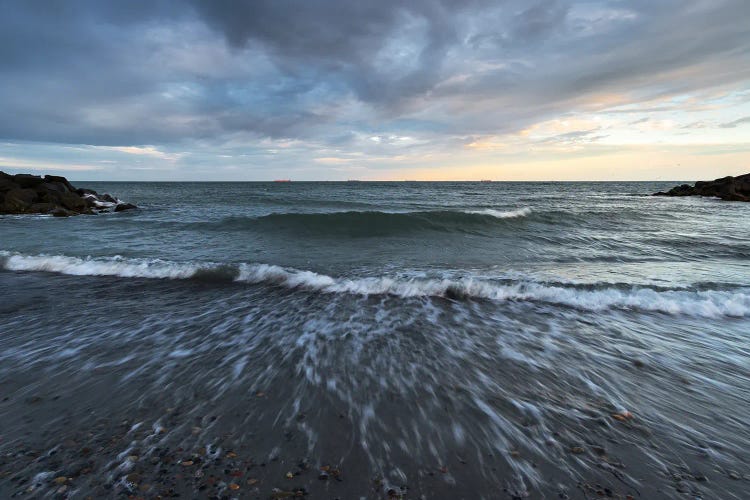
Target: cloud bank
(345, 85)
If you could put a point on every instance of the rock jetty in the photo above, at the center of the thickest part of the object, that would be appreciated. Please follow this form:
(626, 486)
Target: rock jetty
(727, 188)
(54, 195)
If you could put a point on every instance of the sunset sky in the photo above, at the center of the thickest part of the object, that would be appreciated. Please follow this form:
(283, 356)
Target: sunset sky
(386, 90)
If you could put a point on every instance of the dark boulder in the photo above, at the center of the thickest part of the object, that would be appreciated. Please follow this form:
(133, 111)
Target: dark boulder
(27, 180)
(24, 193)
(61, 180)
(91, 201)
(42, 208)
(52, 186)
(73, 202)
(6, 184)
(727, 188)
(84, 192)
(18, 200)
(50, 197)
(124, 206)
(61, 212)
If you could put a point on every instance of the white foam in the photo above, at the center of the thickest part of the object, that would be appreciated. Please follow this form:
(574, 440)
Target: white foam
(509, 214)
(709, 303)
(101, 203)
(111, 266)
(712, 303)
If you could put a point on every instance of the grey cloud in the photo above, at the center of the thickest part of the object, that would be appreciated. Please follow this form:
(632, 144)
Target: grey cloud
(642, 120)
(158, 72)
(736, 123)
(539, 20)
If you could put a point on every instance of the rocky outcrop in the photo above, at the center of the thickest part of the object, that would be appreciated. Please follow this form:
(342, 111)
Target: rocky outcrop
(54, 195)
(727, 188)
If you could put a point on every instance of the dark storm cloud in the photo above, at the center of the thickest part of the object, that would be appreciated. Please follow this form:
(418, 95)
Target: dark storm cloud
(153, 72)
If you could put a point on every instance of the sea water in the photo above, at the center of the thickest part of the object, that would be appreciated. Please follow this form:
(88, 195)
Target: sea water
(403, 340)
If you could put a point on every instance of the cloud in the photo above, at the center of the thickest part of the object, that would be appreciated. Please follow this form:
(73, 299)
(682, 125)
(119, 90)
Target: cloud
(736, 123)
(44, 166)
(147, 77)
(142, 151)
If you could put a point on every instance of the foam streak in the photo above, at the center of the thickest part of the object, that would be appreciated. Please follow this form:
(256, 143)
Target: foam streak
(707, 303)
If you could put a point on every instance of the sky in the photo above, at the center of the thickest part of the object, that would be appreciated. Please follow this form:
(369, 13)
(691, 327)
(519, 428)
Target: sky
(375, 90)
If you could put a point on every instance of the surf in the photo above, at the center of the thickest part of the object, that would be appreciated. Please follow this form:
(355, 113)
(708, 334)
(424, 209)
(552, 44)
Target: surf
(705, 303)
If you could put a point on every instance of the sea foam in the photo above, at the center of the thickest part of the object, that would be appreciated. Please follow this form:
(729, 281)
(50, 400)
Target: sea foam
(703, 303)
(499, 214)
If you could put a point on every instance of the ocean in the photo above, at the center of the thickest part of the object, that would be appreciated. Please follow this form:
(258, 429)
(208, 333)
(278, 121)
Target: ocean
(378, 340)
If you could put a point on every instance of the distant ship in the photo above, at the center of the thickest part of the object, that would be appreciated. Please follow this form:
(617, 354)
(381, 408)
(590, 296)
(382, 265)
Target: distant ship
(283, 180)
(486, 180)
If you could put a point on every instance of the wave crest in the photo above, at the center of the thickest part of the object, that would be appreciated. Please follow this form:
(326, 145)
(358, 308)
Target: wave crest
(498, 214)
(703, 303)
(374, 223)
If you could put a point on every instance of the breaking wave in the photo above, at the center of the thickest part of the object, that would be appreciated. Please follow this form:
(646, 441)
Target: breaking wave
(373, 223)
(509, 214)
(700, 303)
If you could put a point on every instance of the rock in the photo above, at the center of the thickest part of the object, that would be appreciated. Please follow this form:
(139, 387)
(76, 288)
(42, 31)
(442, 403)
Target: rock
(27, 180)
(7, 184)
(42, 208)
(18, 200)
(51, 186)
(73, 202)
(623, 416)
(61, 212)
(727, 188)
(90, 201)
(50, 197)
(25, 193)
(57, 179)
(124, 206)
